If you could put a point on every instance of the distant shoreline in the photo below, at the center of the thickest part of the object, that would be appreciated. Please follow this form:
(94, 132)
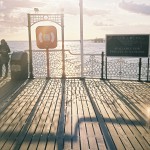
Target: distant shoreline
(86, 40)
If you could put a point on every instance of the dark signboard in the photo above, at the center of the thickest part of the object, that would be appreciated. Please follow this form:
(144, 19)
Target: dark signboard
(127, 45)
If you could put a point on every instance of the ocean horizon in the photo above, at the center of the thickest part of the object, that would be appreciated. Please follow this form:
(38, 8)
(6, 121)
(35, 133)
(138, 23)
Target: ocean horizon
(72, 45)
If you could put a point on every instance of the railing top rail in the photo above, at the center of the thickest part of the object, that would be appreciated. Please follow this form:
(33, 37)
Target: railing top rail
(66, 50)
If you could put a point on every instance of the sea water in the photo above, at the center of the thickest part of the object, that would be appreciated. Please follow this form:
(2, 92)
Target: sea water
(89, 47)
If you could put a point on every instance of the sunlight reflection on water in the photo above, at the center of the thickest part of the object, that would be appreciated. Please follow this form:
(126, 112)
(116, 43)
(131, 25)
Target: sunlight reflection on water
(73, 46)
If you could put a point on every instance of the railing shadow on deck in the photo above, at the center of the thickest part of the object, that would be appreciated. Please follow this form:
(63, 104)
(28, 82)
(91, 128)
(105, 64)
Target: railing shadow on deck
(130, 105)
(108, 139)
(58, 137)
(9, 90)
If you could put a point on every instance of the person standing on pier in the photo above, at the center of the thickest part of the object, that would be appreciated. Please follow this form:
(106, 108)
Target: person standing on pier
(4, 57)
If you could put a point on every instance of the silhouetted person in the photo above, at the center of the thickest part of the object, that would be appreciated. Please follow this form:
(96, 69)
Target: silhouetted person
(4, 57)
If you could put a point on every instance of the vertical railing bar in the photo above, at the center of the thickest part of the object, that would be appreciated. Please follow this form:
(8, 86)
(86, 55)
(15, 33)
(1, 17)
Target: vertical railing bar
(102, 69)
(106, 67)
(148, 70)
(140, 65)
(30, 49)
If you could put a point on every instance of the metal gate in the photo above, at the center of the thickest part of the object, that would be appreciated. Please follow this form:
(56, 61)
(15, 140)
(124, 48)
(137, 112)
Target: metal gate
(33, 19)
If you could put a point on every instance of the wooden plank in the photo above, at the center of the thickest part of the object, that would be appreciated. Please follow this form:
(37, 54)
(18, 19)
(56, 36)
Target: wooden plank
(56, 104)
(34, 120)
(43, 114)
(118, 129)
(90, 132)
(123, 124)
(89, 115)
(75, 116)
(127, 131)
(98, 98)
(61, 121)
(48, 122)
(24, 135)
(13, 121)
(68, 116)
(82, 125)
(14, 128)
(52, 96)
(97, 133)
(103, 126)
(135, 102)
(40, 124)
(135, 93)
(135, 128)
(13, 105)
(7, 88)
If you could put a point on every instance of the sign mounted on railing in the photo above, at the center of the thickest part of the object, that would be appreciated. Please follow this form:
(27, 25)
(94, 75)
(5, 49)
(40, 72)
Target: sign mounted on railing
(127, 45)
(46, 37)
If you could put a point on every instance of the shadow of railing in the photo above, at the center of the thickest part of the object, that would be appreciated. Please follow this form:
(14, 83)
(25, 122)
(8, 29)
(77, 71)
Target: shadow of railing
(60, 136)
(9, 89)
(102, 124)
(24, 130)
(129, 104)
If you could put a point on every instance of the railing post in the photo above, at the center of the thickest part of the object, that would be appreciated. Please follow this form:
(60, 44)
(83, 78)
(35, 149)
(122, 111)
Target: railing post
(30, 49)
(148, 70)
(63, 51)
(102, 67)
(106, 68)
(47, 56)
(81, 38)
(140, 65)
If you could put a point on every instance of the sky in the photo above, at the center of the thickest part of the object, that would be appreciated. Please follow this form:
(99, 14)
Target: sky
(100, 17)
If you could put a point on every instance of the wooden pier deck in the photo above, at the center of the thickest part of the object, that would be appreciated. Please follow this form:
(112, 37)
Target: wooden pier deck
(74, 114)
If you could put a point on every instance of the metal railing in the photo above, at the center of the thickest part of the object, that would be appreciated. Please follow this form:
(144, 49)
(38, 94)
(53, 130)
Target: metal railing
(95, 66)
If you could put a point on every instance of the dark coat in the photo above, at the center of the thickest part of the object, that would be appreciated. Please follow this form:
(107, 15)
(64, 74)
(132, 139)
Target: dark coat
(4, 56)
